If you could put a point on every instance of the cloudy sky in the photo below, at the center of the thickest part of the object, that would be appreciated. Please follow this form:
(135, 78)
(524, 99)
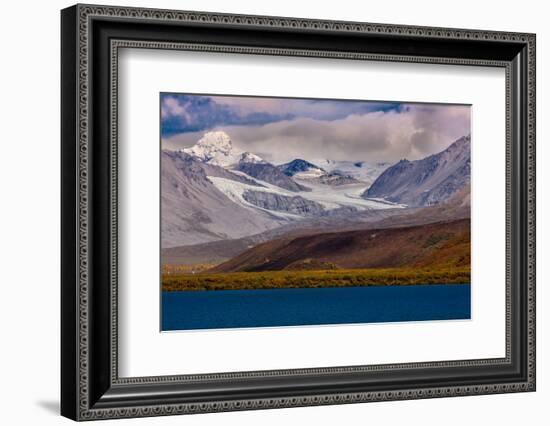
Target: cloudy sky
(281, 129)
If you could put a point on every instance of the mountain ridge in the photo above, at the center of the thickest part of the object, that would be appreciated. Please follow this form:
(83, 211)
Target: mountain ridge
(298, 165)
(427, 181)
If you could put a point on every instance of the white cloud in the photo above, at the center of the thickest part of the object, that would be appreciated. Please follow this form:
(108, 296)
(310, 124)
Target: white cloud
(415, 133)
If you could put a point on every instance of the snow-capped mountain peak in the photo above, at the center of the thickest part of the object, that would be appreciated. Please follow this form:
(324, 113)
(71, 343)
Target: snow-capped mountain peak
(248, 157)
(301, 168)
(214, 148)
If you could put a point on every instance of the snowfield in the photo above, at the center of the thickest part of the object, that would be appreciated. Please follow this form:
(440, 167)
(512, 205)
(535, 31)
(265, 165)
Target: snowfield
(310, 174)
(329, 197)
(360, 170)
(234, 191)
(343, 196)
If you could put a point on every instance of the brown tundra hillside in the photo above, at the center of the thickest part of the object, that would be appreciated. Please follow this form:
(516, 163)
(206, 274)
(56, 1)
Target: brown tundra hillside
(441, 244)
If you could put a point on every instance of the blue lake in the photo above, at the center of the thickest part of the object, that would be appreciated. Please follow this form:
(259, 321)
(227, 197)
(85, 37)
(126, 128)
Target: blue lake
(191, 310)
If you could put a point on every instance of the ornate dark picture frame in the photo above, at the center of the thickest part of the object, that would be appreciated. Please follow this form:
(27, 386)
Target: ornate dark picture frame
(90, 385)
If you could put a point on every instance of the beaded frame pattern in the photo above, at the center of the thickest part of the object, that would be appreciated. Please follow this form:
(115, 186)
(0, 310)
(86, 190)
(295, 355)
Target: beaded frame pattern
(86, 12)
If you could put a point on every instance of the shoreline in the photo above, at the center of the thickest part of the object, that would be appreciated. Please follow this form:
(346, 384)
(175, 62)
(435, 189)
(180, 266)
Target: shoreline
(327, 287)
(332, 278)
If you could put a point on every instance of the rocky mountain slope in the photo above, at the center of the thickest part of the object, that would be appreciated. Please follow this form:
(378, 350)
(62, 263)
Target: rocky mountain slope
(270, 174)
(425, 182)
(194, 211)
(305, 171)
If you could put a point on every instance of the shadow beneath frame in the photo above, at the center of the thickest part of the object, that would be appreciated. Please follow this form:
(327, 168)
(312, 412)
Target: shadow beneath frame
(51, 406)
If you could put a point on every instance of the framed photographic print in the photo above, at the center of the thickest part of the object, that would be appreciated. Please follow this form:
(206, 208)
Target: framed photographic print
(263, 212)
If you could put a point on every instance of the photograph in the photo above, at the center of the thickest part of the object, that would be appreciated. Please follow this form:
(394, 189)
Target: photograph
(291, 211)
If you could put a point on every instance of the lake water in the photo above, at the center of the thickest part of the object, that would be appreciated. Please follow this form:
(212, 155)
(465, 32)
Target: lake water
(191, 310)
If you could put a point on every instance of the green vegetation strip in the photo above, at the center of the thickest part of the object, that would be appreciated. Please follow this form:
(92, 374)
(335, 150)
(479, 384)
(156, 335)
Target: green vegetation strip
(313, 279)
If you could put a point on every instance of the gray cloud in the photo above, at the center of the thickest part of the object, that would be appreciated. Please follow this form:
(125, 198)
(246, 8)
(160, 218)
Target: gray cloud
(416, 131)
